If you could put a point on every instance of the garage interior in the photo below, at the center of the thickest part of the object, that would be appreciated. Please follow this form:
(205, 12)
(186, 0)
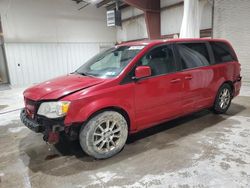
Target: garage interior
(42, 39)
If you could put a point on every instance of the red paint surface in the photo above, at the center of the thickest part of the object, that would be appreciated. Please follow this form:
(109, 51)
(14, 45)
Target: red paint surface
(61, 86)
(142, 71)
(148, 101)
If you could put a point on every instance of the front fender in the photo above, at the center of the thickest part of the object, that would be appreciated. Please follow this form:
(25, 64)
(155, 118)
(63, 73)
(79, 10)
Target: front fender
(80, 110)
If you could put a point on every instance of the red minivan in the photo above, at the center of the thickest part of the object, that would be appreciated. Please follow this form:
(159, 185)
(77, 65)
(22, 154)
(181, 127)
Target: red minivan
(131, 87)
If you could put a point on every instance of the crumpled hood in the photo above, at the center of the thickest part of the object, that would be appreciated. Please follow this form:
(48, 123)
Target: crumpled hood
(59, 87)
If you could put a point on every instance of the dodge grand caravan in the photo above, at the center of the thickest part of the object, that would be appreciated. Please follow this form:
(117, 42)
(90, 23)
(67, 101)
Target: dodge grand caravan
(131, 87)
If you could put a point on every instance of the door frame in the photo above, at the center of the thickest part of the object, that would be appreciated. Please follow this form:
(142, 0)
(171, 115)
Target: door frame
(2, 48)
(127, 79)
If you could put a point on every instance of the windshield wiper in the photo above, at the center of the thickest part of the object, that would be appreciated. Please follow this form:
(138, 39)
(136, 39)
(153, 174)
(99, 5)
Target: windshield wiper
(81, 73)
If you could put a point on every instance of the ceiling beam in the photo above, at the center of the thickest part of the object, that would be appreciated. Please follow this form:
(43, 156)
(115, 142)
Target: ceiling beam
(102, 3)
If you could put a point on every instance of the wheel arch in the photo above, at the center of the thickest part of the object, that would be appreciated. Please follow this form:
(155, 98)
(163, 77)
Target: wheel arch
(220, 83)
(112, 108)
(216, 107)
(230, 83)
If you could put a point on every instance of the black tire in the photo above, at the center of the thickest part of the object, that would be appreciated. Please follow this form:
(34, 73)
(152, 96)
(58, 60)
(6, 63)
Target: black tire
(107, 127)
(218, 107)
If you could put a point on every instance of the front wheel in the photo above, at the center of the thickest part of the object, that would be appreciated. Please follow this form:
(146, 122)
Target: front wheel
(223, 99)
(104, 135)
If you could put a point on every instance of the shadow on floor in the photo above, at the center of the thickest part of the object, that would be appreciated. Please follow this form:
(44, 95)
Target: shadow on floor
(68, 158)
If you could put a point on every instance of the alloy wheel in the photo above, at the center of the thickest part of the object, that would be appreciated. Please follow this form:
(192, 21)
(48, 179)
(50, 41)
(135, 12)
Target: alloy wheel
(107, 135)
(224, 98)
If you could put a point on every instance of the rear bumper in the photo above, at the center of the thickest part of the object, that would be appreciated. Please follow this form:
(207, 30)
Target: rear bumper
(32, 125)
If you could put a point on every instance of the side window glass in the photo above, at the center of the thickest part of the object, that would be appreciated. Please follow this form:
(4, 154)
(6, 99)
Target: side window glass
(193, 55)
(144, 61)
(222, 52)
(161, 60)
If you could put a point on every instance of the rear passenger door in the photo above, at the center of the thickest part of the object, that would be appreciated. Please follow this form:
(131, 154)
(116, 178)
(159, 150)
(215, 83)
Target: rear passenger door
(197, 75)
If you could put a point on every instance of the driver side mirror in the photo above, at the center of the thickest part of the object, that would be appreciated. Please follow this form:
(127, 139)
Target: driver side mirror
(142, 72)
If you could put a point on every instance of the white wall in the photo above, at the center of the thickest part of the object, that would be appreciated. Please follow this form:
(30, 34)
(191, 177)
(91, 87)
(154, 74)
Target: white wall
(47, 38)
(31, 63)
(206, 14)
(134, 28)
(130, 12)
(231, 22)
(53, 21)
(171, 19)
(165, 3)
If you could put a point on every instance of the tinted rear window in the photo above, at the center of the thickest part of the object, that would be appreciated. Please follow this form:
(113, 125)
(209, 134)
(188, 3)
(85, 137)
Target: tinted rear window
(193, 55)
(222, 52)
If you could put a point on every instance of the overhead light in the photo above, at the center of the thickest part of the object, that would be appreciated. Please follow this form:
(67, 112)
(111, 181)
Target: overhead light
(84, 3)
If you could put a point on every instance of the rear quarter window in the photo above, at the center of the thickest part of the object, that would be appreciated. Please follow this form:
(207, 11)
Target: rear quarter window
(222, 52)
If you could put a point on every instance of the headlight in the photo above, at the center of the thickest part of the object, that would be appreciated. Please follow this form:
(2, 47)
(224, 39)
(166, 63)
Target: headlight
(54, 109)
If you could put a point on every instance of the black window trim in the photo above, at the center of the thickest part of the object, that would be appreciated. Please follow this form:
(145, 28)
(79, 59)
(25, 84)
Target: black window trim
(148, 51)
(177, 60)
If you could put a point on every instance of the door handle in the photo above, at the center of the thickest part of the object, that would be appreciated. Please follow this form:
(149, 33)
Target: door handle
(188, 77)
(175, 80)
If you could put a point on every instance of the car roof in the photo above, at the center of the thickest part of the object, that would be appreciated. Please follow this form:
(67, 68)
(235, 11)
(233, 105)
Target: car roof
(162, 41)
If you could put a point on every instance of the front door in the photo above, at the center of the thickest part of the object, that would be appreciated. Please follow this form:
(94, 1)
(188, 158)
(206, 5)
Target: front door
(158, 98)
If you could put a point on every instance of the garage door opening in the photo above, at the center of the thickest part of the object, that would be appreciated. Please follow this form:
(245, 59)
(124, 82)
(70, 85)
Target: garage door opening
(3, 65)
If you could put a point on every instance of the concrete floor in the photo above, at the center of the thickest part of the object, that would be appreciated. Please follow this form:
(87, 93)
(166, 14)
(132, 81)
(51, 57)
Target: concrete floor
(201, 150)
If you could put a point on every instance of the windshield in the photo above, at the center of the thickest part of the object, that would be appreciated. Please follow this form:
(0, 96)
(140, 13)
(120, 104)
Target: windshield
(109, 63)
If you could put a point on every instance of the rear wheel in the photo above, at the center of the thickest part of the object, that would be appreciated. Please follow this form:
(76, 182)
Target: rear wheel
(223, 99)
(104, 135)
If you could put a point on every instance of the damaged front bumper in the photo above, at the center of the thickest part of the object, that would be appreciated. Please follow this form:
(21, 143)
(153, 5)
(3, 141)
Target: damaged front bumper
(31, 124)
(50, 128)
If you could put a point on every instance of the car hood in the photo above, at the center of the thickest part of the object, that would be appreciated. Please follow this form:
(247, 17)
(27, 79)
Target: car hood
(59, 87)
